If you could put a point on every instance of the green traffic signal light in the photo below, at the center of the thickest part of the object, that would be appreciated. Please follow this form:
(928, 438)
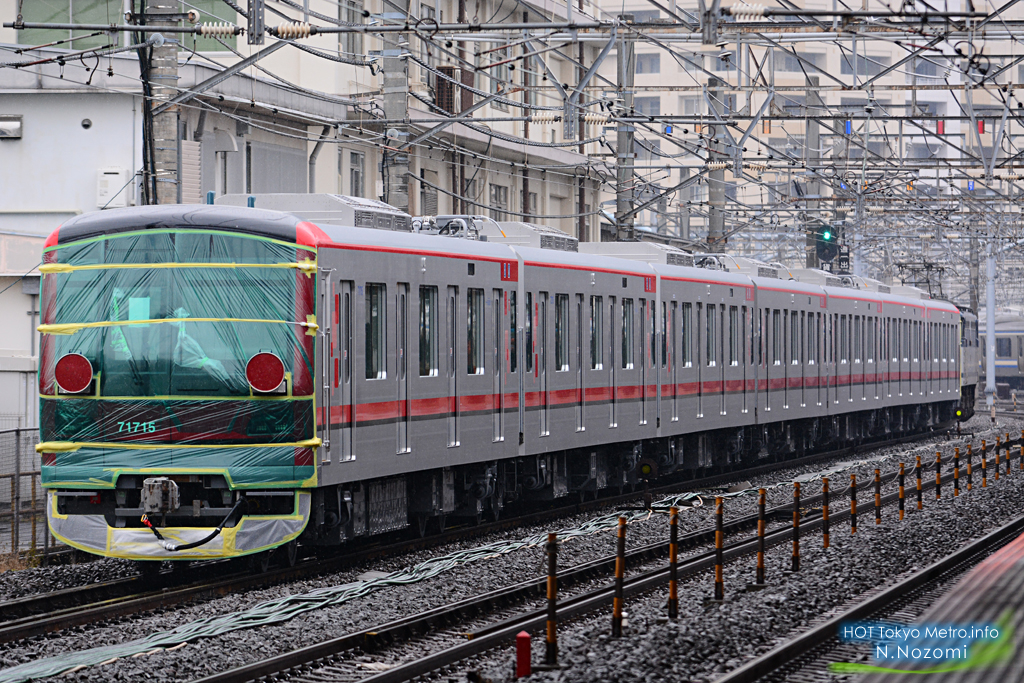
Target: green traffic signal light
(826, 235)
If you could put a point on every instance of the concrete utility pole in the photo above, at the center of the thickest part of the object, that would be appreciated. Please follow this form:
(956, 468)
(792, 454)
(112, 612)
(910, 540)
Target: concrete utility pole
(396, 107)
(811, 155)
(163, 76)
(624, 183)
(974, 267)
(581, 128)
(990, 327)
(716, 179)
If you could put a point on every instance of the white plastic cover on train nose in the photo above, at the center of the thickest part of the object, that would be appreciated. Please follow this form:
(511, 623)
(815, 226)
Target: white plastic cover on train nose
(92, 534)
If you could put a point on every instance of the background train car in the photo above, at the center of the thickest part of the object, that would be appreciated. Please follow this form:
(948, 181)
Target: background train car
(1009, 351)
(324, 382)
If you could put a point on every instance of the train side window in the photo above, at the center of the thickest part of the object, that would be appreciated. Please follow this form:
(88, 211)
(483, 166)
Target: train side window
(776, 337)
(802, 347)
(529, 350)
(712, 357)
(794, 338)
(664, 333)
(652, 311)
(561, 332)
(1003, 347)
(376, 300)
(687, 324)
(428, 331)
(734, 338)
(643, 332)
(596, 333)
(627, 334)
(475, 332)
(513, 335)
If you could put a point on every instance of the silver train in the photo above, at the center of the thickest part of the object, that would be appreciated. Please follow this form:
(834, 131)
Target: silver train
(459, 365)
(483, 363)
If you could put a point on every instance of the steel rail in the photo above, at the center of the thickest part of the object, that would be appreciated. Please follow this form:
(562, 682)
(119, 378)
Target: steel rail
(483, 639)
(51, 612)
(822, 634)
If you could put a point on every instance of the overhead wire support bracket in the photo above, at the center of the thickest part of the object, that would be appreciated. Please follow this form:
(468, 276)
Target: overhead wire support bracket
(227, 73)
(571, 102)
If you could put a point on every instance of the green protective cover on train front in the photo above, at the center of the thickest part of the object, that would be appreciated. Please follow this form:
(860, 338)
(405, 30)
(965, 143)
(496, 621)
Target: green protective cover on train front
(168, 320)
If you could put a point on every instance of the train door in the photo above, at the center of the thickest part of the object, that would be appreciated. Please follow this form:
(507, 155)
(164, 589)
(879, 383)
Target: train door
(698, 328)
(613, 327)
(326, 363)
(343, 384)
(580, 388)
(542, 360)
(764, 323)
(644, 352)
(673, 358)
(746, 352)
(402, 360)
(451, 332)
(817, 356)
(802, 359)
(498, 388)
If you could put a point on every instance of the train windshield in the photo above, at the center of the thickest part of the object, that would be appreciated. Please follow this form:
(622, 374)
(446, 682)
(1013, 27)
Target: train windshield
(195, 307)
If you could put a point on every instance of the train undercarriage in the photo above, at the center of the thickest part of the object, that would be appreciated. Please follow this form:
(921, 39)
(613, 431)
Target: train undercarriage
(428, 501)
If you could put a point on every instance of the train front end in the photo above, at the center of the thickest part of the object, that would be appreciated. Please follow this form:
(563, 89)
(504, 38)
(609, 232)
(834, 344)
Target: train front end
(176, 381)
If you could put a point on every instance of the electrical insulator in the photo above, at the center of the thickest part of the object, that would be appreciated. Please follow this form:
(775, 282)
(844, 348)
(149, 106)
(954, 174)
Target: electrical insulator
(747, 11)
(876, 209)
(294, 29)
(544, 117)
(217, 28)
(1012, 176)
(756, 168)
(591, 117)
(717, 165)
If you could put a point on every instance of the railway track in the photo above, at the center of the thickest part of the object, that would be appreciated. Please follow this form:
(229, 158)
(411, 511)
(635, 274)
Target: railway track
(805, 659)
(423, 643)
(50, 612)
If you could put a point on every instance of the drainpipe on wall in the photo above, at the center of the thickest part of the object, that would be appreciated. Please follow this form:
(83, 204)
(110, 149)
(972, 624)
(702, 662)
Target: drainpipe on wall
(312, 159)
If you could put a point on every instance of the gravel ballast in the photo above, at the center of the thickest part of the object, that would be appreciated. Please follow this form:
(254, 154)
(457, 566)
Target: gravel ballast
(233, 649)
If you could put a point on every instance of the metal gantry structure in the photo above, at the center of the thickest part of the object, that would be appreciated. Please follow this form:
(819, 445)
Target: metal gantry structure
(745, 128)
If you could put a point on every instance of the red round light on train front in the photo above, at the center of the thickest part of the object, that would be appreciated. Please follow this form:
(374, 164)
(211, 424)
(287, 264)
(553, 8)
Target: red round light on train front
(73, 373)
(265, 372)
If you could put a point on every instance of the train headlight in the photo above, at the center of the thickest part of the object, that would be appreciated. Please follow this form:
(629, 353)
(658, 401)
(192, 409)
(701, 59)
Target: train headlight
(73, 373)
(265, 373)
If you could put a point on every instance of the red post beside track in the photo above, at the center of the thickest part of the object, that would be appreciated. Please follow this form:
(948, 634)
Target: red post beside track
(938, 475)
(524, 658)
(984, 465)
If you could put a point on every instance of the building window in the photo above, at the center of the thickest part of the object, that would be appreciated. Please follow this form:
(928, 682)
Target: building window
(499, 202)
(428, 331)
(356, 174)
(376, 300)
(647, 106)
(648, 63)
(351, 12)
(561, 332)
(645, 16)
(866, 66)
(498, 73)
(475, 332)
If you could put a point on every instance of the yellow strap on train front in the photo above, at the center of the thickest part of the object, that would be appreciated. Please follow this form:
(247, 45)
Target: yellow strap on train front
(308, 267)
(71, 328)
(72, 446)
